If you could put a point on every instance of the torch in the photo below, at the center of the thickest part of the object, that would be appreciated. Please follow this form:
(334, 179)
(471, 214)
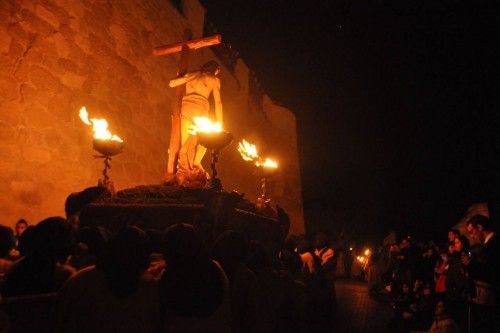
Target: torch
(211, 136)
(105, 143)
(267, 168)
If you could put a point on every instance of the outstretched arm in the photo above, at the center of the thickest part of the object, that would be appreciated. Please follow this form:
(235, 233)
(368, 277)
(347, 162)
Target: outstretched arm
(217, 102)
(183, 79)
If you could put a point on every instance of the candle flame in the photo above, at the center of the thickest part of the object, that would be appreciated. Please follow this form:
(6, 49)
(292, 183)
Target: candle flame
(99, 126)
(248, 152)
(204, 125)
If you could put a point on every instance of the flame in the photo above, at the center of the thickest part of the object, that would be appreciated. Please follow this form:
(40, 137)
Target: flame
(367, 252)
(268, 163)
(205, 125)
(247, 150)
(361, 259)
(99, 127)
(84, 115)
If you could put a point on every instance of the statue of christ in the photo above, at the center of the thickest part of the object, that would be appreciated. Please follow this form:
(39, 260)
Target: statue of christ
(199, 86)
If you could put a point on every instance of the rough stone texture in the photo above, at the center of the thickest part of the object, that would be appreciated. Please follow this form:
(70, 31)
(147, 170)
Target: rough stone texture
(57, 55)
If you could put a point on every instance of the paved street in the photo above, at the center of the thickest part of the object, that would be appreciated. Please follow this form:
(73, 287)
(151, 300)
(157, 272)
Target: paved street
(357, 312)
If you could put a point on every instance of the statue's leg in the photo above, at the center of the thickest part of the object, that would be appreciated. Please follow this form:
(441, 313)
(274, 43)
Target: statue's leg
(191, 150)
(185, 124)
(184, 150)
(198, 157)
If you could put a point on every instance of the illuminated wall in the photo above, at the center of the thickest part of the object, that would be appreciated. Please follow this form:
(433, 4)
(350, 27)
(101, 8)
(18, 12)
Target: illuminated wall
(58, 55)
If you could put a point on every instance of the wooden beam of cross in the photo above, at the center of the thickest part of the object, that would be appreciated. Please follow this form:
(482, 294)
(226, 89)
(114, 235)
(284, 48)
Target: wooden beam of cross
(191, 44)
(182, 47)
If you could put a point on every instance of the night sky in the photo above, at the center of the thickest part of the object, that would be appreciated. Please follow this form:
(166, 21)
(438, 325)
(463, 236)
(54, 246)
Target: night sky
(396, 104)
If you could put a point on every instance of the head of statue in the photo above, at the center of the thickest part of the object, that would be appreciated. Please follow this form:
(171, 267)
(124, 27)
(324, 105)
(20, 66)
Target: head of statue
(211, 67)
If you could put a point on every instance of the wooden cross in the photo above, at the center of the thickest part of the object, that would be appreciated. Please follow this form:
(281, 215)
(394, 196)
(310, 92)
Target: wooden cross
(182, 47)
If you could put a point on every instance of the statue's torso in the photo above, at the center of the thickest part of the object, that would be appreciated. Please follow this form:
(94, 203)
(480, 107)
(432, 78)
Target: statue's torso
(201, 85)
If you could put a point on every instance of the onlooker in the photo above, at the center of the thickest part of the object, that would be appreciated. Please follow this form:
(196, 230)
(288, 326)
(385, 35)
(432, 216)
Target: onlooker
(326, 256)
(281, 294)
(194, 290)
(116, 295)
(427, 263)
(404, 313)
(442, 322)
(407, 260)
(452, 235)
(483, 269)
(318, 307)
(311, 263)
(6, 244)
(231, 251)
(485, 266)
(91, 242)
(456, 283)
(25, 242)
(325, 253)
(441, 273)
(425, 305)
(21, 227)
(43, 268)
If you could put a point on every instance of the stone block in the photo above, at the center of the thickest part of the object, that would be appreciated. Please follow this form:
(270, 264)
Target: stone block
(62, 44)
(59, 106)
(43, 80)
(35, 24)
(8, 89)
(47, 15)
(68, 65)
(87, 86)
(16, 51)
(28, 4)
(36, 154)
(98, 47)
(68, 150)
(33, 56)
(11, 112)
(82, 42)
(18, 34)
(30, 96)
(46, 45)
(35, 116)
(74, 9)
(58, 10)
(119, 34)
(97, 21)
(52, 139)
(5, 40)
(21, 71)
(8, 209)
(31, 198)
(7, 133)
(73, 80)
(18, 186)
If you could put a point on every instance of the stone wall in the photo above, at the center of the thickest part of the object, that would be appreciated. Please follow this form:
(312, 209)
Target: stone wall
(57, 55)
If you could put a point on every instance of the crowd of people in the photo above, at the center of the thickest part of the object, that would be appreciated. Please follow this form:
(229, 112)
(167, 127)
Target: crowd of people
(137, 280)
(448, 286)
